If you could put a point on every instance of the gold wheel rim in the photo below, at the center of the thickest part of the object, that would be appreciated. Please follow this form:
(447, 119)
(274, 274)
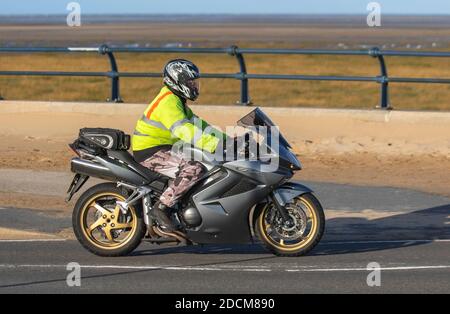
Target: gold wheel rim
(296, 246)
(108, 223)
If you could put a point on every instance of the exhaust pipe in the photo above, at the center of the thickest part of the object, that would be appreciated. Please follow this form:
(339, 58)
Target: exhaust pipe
(91, 169)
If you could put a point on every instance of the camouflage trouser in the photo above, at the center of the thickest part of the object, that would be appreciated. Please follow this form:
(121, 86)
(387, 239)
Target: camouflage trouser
(184, 172)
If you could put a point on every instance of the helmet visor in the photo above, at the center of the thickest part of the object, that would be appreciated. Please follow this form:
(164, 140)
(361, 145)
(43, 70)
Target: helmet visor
(194, 86)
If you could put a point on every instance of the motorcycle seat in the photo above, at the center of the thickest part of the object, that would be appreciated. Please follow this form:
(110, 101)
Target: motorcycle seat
(126, 157)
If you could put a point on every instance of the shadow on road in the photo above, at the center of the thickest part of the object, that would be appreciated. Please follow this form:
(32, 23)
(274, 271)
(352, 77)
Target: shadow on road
(368, 235)
(392, 232)
(138, 271)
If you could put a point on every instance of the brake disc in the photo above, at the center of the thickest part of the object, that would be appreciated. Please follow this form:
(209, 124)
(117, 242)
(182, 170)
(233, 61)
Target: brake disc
(298, 227)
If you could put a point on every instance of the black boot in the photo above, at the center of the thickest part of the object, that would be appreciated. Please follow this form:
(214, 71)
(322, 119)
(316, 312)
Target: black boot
(161, 214)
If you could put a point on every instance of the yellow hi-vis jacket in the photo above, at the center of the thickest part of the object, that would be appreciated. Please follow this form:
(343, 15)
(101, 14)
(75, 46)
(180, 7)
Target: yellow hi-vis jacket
(167, 120)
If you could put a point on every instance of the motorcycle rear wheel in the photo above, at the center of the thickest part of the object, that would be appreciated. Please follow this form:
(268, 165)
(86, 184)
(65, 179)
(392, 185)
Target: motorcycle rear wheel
(101, 227)
(307, 213)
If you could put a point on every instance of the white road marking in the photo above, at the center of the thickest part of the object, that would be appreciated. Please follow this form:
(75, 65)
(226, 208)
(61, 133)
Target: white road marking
(33, 240)
(237, 268)
(365, 269)
(150, 267)
(384, 241)
(82, 49)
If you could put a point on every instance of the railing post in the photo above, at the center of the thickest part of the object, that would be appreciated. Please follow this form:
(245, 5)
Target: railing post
(383, 79)
(113, 74)
(245, 98)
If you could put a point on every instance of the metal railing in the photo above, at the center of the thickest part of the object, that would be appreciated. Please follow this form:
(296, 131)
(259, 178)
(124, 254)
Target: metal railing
(383, 79)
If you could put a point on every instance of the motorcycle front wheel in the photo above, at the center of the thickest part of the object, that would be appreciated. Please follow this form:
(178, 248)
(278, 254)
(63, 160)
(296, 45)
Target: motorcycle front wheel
(100, 225)
(297, 238)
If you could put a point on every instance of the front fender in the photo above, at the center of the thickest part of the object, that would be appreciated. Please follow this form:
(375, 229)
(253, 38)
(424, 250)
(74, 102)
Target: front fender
(290, 190)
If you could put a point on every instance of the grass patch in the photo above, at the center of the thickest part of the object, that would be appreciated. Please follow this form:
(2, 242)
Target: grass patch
(227, 91)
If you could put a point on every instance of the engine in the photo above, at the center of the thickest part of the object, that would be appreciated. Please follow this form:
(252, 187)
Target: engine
(191, 216)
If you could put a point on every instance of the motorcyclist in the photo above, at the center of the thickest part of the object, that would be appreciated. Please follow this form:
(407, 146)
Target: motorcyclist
(166, 121)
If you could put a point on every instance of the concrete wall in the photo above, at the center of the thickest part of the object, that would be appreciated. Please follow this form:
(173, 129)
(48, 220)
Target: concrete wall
(309, 130)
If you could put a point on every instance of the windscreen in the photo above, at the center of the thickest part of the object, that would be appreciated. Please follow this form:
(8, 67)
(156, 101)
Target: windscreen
(258, 118)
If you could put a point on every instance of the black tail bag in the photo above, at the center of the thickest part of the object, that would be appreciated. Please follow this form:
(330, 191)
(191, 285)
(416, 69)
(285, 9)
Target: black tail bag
(110, 139)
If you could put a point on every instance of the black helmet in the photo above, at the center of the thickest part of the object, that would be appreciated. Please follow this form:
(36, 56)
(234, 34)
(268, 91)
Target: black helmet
(179, 76)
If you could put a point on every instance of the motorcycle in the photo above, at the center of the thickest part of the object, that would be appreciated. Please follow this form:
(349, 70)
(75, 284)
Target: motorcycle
(236, 202)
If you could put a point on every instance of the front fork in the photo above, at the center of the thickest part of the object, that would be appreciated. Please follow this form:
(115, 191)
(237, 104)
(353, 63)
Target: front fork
(284, 213)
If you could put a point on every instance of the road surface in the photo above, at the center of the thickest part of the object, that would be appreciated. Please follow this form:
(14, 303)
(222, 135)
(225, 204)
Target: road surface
(406, 232)
(406, 267)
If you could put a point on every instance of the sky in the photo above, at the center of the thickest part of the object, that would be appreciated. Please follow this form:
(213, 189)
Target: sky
(19, 7)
